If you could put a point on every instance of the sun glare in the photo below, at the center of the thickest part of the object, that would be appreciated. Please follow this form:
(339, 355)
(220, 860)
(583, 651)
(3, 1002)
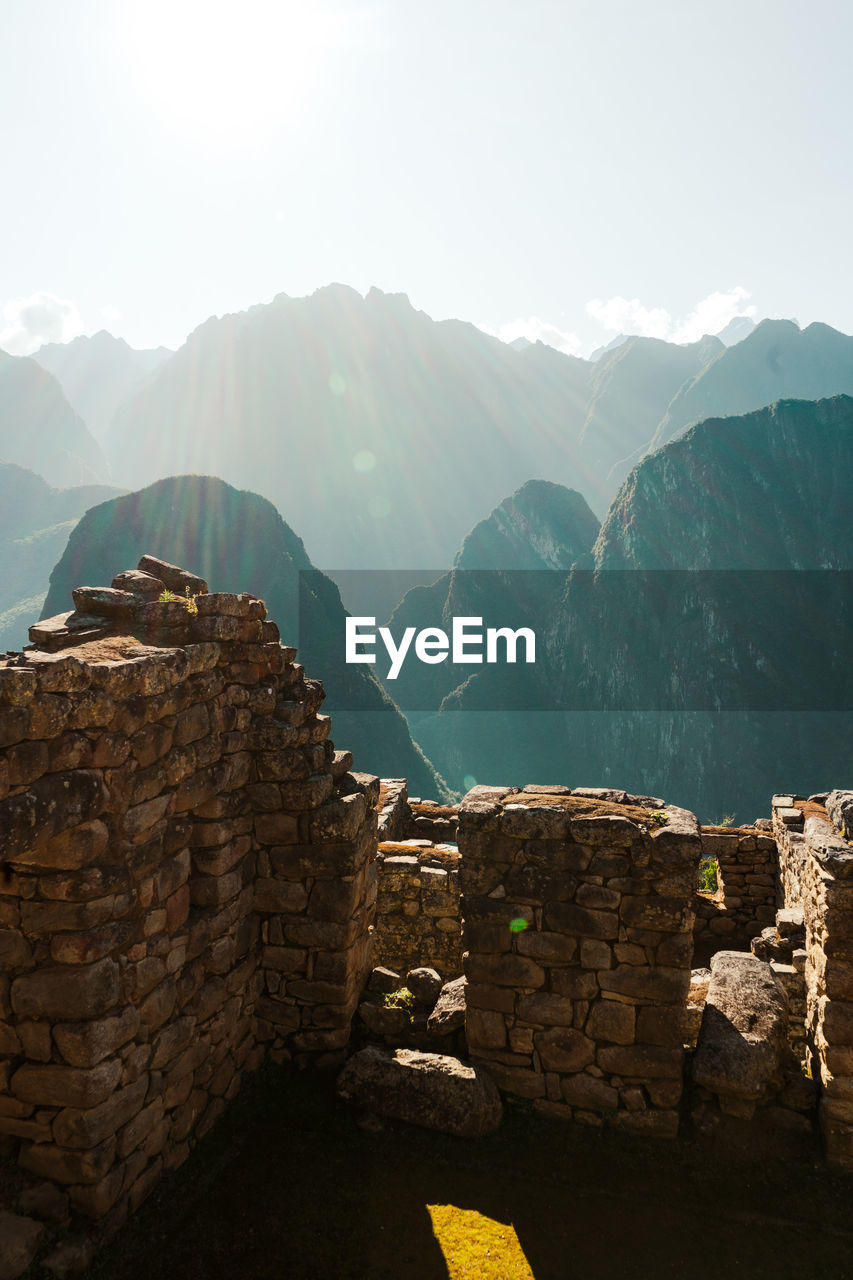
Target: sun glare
(228, 72)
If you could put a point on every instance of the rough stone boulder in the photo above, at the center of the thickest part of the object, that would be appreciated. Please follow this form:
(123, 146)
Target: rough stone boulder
(424, 984)
(427, 1089)
(839, 806)
(449, 1012)
(743, 1035)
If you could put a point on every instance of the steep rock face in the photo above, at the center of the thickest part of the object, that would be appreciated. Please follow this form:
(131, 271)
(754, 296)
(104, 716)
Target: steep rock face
(499, 575)
(35, 521)
(766, 490)
(632, 387)
(777, 360)
(98, 373)
(237, 541)
(39, 429)
(541, 526)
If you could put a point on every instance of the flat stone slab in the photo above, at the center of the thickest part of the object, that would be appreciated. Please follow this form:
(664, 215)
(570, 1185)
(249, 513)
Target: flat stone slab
(744, 1028)
(427, 1089)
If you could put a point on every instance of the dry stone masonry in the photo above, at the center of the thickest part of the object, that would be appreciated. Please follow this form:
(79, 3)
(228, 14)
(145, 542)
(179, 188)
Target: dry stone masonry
(746, 897)
(417, 912)
(816, 874)
(193, 877)
(186, 878)
(578, 924)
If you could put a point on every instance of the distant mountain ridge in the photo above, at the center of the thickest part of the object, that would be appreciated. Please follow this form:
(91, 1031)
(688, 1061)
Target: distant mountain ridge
(40, 431)
(541, 526)
(382, 431)
(35, 521)
(98, 373)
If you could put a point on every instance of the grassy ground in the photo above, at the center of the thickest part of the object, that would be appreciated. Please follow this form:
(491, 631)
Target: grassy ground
(288, 1187)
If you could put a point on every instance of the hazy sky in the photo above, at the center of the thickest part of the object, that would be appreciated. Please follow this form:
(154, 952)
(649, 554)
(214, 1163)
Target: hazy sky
(557, 166)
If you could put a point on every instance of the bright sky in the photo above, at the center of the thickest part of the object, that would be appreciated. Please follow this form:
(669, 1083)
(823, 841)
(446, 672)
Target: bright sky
(567, 168)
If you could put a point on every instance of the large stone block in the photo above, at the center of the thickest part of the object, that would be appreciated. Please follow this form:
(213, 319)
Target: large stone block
(52, 1085)
(744, 1027)
(67, 993)
(508, 970)
(566, 917)
(564, 1049)
(427, 1089)
(51, 805)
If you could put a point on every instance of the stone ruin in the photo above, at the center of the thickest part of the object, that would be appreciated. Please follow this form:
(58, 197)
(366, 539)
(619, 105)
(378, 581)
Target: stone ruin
(194, 878)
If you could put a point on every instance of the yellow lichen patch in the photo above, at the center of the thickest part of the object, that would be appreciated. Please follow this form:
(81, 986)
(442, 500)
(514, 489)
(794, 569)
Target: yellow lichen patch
(476, 1247)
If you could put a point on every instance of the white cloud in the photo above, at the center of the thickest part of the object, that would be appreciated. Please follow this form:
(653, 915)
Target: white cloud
(628, 315)
(710, 315)
(31, 322)
(536, 330)
(713, 314)
(110, 315)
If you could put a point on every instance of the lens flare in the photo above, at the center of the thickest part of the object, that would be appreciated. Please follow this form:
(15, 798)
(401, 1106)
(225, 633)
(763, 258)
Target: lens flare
(364, 461)
(379, 507)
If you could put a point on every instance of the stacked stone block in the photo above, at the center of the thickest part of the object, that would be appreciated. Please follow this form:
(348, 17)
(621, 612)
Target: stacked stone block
(185, 878)
(816, 862)
(577, 925)
(417, 912)
(746, 863)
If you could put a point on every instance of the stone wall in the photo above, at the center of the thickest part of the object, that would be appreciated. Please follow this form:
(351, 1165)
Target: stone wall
(187, 878)
(418, 908)
(746, 898)
(816, 868)
(578, 924)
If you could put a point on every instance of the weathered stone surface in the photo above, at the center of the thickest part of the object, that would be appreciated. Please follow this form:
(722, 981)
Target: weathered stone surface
(19, 1240)
(449, 1012)
(49, 806)
(176, 579)
(384, 979)
(52, 1085)
(424, 984)
(79, 1128)
(66, 1166)
(744, 1027)
(564, 1049)
(610, 1021)
(143, 585)
(589, 1092)
(384, 1019)
(427, 1089)
(106, 602)
(84, 1044)
(508, 970)
(566, 917)
(62, 993)
(839, 806)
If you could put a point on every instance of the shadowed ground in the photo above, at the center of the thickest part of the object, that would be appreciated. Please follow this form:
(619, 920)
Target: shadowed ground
(288, 1187)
